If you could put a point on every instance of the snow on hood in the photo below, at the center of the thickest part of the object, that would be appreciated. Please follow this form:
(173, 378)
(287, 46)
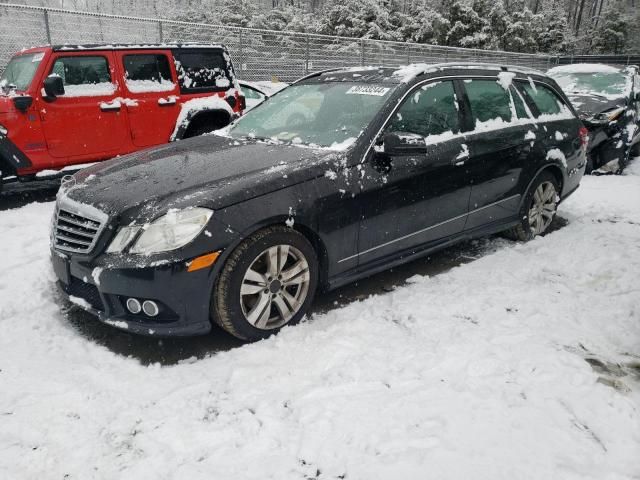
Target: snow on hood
(216, 170)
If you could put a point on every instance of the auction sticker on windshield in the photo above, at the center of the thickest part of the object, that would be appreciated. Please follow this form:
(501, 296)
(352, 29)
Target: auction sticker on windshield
(367, 90)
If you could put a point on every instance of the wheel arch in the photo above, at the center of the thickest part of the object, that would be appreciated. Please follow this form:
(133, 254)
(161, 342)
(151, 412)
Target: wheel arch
(194, 119)
(554, 170)
(305, 230)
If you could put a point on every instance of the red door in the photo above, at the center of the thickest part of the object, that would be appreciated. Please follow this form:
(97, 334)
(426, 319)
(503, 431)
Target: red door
(88, 121)
(151, 94)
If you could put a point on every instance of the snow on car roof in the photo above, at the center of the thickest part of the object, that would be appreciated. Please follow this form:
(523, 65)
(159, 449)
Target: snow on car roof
(406, 73)
(132, 46)
(584, 68)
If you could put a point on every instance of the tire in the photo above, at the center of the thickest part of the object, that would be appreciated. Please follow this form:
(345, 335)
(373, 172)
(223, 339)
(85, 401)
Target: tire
(198, 130)
(539, 208)
(589, 168)
(266, 305)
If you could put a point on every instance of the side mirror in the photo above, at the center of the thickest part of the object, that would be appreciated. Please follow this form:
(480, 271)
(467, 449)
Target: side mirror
(22, 102)
(400, 143)
(53, 86)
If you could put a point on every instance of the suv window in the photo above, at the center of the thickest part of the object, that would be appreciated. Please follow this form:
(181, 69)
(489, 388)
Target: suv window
(544, 98)
(147, 72)
(489, 100)
(84, 75)
(429, 110)
(202, 70)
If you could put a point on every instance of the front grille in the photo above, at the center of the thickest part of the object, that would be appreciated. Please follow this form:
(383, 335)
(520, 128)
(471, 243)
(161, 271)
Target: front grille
(86, 291)
(75, 230)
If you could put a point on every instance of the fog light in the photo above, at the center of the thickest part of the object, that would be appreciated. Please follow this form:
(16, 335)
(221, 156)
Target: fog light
(133, 305)
(150, 308)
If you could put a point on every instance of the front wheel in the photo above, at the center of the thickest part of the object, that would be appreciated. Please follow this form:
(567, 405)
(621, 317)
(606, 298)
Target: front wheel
(538, 208)
(269, 281)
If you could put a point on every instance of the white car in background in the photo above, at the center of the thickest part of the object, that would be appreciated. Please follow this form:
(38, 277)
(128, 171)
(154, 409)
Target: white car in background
(257, 92)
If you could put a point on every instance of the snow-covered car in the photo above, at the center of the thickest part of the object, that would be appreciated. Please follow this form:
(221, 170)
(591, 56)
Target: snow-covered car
(608, 101)
(257, 92)
(241, 228)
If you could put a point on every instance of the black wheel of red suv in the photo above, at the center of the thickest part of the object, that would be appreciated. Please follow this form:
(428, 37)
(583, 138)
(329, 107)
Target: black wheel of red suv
(269, 281)
(539, 208)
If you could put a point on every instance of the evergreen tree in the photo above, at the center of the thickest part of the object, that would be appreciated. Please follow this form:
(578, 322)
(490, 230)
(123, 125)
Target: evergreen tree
(611, 34)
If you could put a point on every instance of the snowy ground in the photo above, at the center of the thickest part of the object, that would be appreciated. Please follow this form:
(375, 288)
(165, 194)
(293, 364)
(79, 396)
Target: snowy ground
(522, 364)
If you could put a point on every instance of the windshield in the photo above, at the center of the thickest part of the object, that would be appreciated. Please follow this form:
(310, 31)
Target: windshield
(20, 71)
(607, 84)
(325, 115)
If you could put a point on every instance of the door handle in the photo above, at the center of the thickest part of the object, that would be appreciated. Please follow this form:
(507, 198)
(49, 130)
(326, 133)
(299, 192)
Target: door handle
(167, 102)
(111, 106)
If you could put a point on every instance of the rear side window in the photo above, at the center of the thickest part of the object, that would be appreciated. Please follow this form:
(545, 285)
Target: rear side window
(202, 70)
(544, 98)
(84, 75)
(428, 110)
(147, 73)
(489, 100)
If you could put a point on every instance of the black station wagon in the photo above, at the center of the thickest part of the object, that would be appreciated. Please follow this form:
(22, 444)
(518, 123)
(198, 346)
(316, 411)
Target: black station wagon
(341, 175)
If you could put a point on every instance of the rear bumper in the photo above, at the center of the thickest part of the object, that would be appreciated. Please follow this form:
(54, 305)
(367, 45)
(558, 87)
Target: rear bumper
(183, 297)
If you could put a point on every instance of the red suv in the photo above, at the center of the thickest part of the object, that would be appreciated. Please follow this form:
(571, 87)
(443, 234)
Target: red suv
(64, 106)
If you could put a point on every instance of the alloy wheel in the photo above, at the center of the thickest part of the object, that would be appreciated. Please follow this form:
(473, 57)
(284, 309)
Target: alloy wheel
(274, 287)
(543, 208)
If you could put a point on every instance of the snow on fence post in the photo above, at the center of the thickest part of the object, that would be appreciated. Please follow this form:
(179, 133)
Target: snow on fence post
(362, 52)
(241, 53)
(306, 55)
(160, 34)
(46, 25)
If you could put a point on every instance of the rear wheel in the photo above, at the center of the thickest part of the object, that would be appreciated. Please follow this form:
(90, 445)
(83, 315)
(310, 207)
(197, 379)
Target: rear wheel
(538, 208)
(269, 281)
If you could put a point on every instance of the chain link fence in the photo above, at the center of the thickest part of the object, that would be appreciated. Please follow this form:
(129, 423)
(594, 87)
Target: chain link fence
(257, 54)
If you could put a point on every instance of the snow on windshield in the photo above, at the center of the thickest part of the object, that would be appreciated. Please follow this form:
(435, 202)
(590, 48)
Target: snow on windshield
(20, 71)
(328, 114)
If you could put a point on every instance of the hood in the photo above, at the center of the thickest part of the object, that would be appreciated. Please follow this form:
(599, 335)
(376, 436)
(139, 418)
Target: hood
(6, 104)
(209, 171)
(589, 105)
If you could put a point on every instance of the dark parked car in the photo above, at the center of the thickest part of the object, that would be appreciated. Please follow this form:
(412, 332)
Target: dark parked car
(607, 99)
(384, 166)
(257, 92)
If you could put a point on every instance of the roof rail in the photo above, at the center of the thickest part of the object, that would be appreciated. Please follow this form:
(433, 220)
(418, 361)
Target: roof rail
(317, 74)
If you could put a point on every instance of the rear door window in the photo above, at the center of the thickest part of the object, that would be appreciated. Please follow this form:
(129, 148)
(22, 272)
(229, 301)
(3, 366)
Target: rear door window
(147, 73)
(429, 110)
(489, 101)
(84, 76)
(543, 97)
(202, 71)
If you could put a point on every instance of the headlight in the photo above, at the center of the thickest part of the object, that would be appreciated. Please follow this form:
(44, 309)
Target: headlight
(608, 116)
(3, 130)
(173, 230)
(123, 238)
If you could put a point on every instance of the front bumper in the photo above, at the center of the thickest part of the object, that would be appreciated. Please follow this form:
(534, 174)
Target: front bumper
(607, 144)
(183, 297)
(11, 157)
